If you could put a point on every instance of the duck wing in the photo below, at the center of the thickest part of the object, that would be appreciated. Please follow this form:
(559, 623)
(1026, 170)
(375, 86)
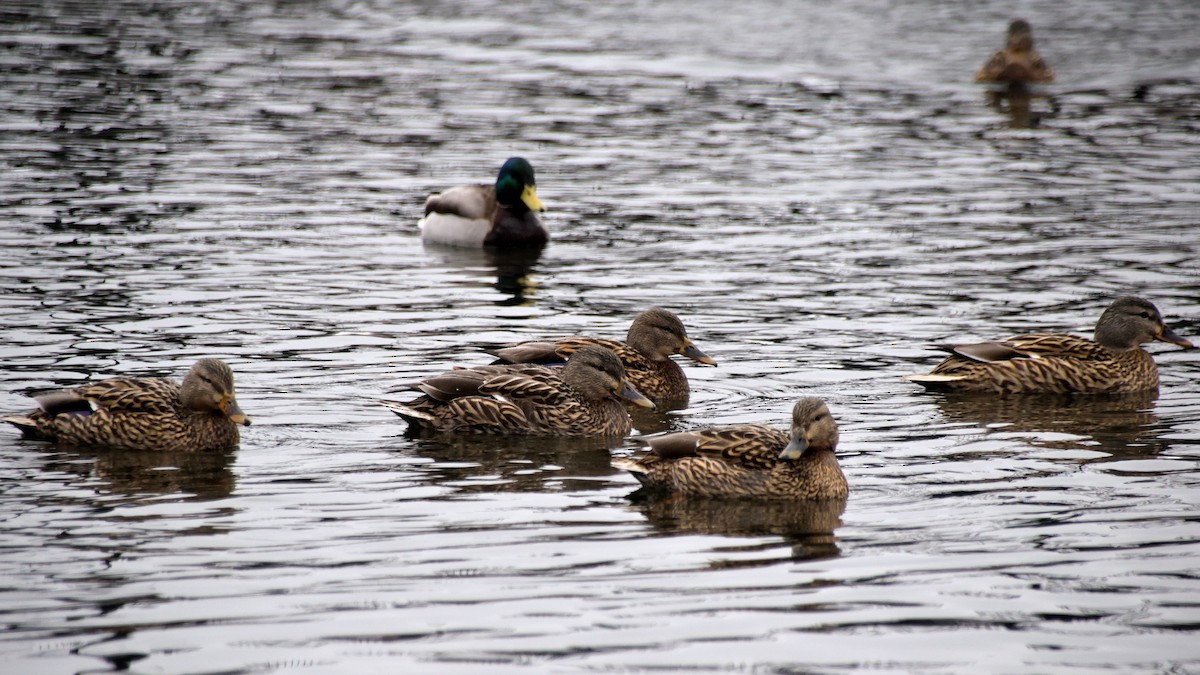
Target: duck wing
(533, 385)
(473, 202)
(749, 446)
(556, 352)
(1032, 346)
(531, 352)
(129, 395)
(630, 357)
(452, 384)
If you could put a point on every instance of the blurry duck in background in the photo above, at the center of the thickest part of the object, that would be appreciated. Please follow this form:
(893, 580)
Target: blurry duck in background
(503, 215)
(1011, 70)
(1018, 63)
(1052, 363)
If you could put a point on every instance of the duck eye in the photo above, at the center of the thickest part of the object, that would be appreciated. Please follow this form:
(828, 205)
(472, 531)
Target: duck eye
(1145, 314)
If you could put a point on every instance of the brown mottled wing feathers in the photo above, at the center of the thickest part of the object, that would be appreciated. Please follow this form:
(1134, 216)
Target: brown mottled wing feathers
(145, 395)
(478, 413)
(543, 388)
(1056, 345)
(630, 357)
(749, 446)
(661, 380)
(511, 399)
(558, 351)
(1032, 346)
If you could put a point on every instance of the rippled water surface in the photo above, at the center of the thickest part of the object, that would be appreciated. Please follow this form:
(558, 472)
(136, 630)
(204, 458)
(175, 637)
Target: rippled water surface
(816, 188)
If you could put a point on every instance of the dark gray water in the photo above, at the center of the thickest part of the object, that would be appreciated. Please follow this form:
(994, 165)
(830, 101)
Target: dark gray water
(816, 188)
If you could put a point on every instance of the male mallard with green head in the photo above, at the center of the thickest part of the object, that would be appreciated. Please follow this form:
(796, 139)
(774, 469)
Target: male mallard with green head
(579, 399)
(749, 461)
(1052, 363)
(503, 215)
(152, 414)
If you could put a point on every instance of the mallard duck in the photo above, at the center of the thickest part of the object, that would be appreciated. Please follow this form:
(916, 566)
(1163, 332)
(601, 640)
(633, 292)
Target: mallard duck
(1051, 363)
(499, 216)
(155, 414)
(750, 461)
(1018, 63)
(653, 337)
(578, 399)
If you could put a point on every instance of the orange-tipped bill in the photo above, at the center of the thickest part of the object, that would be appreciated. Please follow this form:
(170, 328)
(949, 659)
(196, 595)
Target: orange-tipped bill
(693, 352)
(635, 397)
(1168, 335)
(230, 407)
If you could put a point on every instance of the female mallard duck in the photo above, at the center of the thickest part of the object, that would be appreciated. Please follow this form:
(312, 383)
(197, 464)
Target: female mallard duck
(1018, 63)
(1050, 363)
(578, 399)
(500, 216)
(142, 413)
(653, 337)
(750, 461)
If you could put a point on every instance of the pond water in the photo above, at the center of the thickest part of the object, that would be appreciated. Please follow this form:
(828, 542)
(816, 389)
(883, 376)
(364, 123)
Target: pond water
(817, 189)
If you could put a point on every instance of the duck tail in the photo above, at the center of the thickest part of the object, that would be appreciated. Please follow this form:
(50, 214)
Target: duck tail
(627, 465)
(933, 381)
(410, 415)
(632, 466)
(27, 426)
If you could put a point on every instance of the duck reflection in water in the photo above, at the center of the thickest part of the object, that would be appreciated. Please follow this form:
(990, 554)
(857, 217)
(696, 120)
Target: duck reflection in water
(1016, 102)
(195, 476)
(807, 527)
(513, 269)
(1122, 425)
(473, 464)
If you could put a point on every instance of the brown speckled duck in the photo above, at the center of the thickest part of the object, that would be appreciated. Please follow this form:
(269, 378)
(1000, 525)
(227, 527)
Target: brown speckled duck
(750, 461)
(1018, 63)
(503, 215)
(1050, 363)
(653, 337)
(151, 414)
(579, 399)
